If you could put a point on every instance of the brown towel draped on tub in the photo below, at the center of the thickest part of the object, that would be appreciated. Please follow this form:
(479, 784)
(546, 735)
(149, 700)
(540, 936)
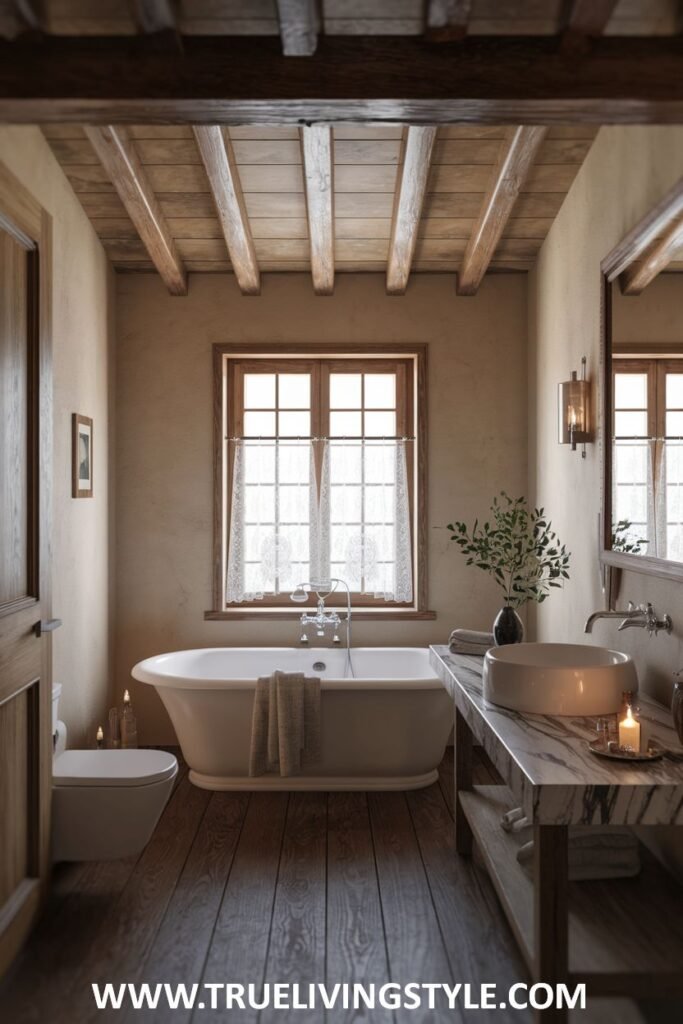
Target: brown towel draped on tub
(285, 726)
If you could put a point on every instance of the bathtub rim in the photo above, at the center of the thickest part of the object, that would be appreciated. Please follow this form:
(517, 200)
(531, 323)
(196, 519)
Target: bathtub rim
(144, 673)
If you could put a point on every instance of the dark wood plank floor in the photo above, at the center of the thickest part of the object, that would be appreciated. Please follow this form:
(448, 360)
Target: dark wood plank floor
(276, 887)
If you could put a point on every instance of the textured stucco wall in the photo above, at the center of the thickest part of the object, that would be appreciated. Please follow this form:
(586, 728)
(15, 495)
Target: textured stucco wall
(477, 442)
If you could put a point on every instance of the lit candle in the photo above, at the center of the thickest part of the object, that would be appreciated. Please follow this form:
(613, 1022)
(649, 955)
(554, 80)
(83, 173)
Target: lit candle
(126, 698)
(629, 732)
(99, 737)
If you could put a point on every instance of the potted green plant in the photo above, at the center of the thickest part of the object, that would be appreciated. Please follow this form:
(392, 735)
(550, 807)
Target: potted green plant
(520, 550)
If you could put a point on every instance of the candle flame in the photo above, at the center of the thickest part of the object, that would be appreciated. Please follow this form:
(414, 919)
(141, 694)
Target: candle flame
(629, 720)
(126, 697)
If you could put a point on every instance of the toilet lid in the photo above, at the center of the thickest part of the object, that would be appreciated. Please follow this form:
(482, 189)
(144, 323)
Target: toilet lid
(112, 767)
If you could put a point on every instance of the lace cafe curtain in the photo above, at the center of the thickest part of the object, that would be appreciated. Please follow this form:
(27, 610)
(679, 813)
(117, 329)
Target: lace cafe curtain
(312, 510)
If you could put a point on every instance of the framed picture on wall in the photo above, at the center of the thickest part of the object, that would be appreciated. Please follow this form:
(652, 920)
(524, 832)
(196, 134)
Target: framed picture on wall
(81, 456)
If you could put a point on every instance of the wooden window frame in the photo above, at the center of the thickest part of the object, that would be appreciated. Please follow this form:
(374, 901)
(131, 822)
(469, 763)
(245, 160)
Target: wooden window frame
(320, 360)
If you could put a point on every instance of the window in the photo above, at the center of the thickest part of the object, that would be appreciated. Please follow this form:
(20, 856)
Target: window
(319, 476)
(648, 455)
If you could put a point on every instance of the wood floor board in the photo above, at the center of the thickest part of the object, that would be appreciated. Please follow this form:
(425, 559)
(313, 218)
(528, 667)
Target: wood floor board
(240, 940)
(182, 943)
(414, 941)
(297, 940)
(356, 945)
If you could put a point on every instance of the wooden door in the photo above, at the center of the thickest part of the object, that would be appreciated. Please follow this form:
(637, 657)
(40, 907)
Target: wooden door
(25, 648)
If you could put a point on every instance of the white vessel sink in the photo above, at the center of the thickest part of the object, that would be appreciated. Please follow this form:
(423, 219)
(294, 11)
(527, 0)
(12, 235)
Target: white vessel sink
(558, 679)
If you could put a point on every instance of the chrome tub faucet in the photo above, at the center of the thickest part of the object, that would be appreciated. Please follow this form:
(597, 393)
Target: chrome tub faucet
(321, 620)
(635, 617)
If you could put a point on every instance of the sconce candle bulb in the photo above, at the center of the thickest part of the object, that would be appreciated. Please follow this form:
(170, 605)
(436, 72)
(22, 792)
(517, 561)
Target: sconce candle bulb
(99, 737)
(573, 408)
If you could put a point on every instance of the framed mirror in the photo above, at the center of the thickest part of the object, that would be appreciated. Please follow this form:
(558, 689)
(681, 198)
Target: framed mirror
(641, 417)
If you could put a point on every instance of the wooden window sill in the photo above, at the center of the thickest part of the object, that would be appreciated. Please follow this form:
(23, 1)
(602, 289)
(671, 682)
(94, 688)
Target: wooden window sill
(287, 615)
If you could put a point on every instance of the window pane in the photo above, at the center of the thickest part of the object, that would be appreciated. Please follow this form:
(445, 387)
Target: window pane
(674, 462)
(380, 463)
(674, 390)
(630, 424)
(345, 424)
(345, 503)
(259, 391)
(294, 505)
(259, 424)
(674, 424)
(259, 504)
(345, 463)
(380, 390)
(380, 424)
(295, 424)
(259, 463)
(630, 390)
(294, 463)
(630, 463)
(294, 390)
(345, 390)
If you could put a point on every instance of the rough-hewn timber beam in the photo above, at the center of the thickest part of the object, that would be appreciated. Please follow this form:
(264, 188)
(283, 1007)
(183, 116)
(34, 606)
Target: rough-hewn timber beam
(154, 15)
(248, 80)
(656, 258)
(644, 234)
(221, 168)
(518, 155)
(410, 194)
(447, 20)
(298, 27)
(587, 21)
(117, 155)
(316, 149)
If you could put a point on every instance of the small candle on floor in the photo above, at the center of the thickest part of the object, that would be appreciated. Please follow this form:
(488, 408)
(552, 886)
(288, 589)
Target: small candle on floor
(99, 737)
(629, 732)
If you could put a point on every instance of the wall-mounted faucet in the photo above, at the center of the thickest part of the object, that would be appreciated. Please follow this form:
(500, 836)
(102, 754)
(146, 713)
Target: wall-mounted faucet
(635, 617)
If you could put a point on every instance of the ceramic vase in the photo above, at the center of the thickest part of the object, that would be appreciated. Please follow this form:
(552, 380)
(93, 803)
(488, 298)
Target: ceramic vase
(508, 627)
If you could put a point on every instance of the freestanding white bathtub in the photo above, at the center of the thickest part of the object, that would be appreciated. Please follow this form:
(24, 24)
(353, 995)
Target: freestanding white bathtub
(386, 728)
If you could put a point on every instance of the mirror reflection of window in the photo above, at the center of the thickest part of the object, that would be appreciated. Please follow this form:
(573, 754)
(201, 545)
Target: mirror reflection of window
(647, 465)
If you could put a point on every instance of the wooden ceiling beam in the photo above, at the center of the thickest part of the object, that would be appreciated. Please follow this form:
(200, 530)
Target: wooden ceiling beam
(644, 235)
(119, 158)
(448, 20)
(299, 27)
(587, 21)
(318, 167)
(18, 17)
(218, 158)
(153, 16)
(410, 193)
(656, 258)
(248, 81)
(518, 156)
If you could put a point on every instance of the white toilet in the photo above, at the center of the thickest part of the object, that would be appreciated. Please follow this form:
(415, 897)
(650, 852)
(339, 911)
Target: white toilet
(105, 803)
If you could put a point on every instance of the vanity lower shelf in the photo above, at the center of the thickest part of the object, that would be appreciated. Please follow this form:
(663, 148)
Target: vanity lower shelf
(616, 927)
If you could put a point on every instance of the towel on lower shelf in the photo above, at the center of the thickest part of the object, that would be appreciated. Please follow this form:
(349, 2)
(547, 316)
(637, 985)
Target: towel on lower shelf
(285, 725)
(595, 853)
(469, 641)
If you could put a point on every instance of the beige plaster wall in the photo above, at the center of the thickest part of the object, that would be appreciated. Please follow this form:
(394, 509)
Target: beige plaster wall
(627, 171)
(82, 346)
(653, 318)
(477, 443)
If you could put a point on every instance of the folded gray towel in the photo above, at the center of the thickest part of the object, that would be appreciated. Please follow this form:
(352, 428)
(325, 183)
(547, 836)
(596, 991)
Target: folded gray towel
(285, 726)
(469, 641)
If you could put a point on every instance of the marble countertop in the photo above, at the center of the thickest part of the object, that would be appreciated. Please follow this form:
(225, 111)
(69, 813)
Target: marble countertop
(546, 762)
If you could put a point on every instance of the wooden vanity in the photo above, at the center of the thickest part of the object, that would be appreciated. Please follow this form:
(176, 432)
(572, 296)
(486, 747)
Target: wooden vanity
(621, 937)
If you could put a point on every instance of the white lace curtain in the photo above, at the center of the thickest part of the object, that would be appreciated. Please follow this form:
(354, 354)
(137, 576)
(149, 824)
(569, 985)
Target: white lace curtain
(308, 511)
(648, 492)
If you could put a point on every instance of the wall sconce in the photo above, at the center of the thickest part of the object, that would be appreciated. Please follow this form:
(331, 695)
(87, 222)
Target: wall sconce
(573, 408)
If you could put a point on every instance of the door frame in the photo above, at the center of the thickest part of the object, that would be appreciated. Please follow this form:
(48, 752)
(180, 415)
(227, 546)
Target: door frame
(23, 216)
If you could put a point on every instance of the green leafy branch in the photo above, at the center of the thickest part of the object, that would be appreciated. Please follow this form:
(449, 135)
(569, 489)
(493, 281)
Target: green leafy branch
(518, 548)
